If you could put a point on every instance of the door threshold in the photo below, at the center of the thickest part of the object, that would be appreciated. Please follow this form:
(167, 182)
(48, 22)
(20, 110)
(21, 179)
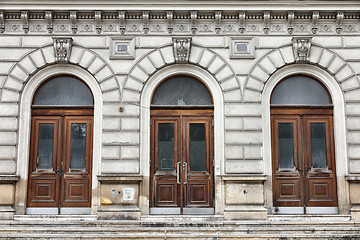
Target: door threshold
(55, 211)
(177, 211)
(61, 218)
(305, 210)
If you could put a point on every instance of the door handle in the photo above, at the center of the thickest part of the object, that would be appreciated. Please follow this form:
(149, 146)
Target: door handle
(37, 161)
(177, 173)
(57, 170)
(185, 171)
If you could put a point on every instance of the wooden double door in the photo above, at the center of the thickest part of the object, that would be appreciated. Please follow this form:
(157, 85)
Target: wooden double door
(181, 162)
(303, 159)
(60, 159)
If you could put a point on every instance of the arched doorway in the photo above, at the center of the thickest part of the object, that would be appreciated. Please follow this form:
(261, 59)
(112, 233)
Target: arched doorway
(303, 153)
(181, 174)
(61, 148)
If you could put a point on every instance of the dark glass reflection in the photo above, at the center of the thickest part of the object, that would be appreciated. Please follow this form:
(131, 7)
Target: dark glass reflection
(45, 147)
(286, 145)
(197, 147)
(318, 145)
(166, 147)
(78, 145)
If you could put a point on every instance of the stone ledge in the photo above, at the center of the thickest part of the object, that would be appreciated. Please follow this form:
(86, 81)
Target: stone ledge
(353, 178)
(120, 178)
(9, 178)
(244, 178)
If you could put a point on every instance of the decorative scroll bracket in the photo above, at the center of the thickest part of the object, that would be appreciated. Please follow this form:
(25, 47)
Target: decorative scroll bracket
(266, 22)
(49, 21)
(218, 22)
(339, 22)
(193, 15)
(145, 16)
(242, 24)
(98, 25)
(182, 49)
(73, 18)
(2, 22)
(62, 49)
(170, 21)
(291, 19)
(315, 22)
(301, 48)
(25, 21)
(122, 21)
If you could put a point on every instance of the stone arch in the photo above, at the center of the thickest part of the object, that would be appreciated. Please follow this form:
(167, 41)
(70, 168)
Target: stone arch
(39, 58)
(164, 56)
(326, 59)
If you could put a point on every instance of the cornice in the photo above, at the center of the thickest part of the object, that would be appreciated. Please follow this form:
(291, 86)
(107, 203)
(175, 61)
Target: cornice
(180, 22)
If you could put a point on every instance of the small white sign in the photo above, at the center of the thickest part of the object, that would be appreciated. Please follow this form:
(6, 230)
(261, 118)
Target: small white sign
(128, 194)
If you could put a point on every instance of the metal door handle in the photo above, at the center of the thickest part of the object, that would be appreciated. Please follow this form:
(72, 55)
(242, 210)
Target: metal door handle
(177, 173)
(185, 171)
(37, 161)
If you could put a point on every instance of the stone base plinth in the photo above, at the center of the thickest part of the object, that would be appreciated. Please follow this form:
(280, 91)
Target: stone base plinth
(119, 213)
(245, 213)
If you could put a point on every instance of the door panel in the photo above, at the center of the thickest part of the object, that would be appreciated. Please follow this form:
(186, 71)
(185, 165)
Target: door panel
(312, 180)
(60, 161)
(181, 153)
(44, 158)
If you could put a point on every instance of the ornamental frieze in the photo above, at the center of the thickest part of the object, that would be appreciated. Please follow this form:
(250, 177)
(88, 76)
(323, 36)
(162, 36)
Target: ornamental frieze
(173, 22)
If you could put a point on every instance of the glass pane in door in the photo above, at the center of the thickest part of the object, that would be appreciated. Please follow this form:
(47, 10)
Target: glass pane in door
(78, 146)
(318, 145)
(286, 145)
(45, 147)
(197, 147)
(166, 147)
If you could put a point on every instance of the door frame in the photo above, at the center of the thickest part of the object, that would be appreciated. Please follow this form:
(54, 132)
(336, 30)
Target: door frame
(340, 141)
(219, 154)
(22, 164)
(182, 116)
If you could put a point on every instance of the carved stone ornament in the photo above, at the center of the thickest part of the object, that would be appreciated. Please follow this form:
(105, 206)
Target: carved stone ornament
(291, 19)
(98, 24)
(49, 21)
(73, 18)
(193, 21)
(242, 25)
(182, 49)
(145, 16)
(218, 22)
(25, 21)
(170, 21)
(339, 22)
(315, 22)
(266, 22)
(62, 49)
(301, 48)
(122, 22)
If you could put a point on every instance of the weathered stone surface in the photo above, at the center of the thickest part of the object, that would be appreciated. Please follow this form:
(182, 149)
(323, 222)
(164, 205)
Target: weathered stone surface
(7, 195)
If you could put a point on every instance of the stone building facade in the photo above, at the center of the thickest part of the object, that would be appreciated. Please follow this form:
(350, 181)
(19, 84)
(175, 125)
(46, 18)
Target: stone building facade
(122, 53)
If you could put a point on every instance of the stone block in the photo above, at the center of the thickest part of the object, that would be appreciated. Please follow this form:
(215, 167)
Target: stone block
(8, 138)
(168, 54)
(244, 193)
(216, 64)
(354, 166)
(354, 137)
(355, 193)
(154, 42)
(344, 73)
(96, 66)
(38, 57)
(134, 84)
(9, 96)
(253, 152)
(353, 123)
(5, 67)
(244, 166)
(8, 109)
(353, 95)
(11, 83)
(104, 74)
(254, 84)
(19, 73)
(87, 59)
(7, 167)
(156, 59)
(259, 74)
(288, 54)
(251, 96)
(147, 65)
(315, 54)
(90, 42)
(119, 213)
(245, 109)
(109, 84)
(224, 74)
(7, 152)
(129, 152)
(351, 41)
(120, 193)
(119, 166)
(28, 65)
(350, 83)
(8, 123)
(12, 54)
(336, 64)
(131, 137)
(130, 124)
(111, 152)
(348, 54)
(352, 108)
(245, 213)
(130, 96)
(49, 54)
(234, 123)
(268, 65)
(111, 123)
(327, 41)
(111, 96)
(206, 58)
(234, 152)
(232, 96)
(10, 41)
(139, 74)
(195, 54)
(273, 42)
(243, 137)
(76, 53)
(7, 195)
(253, 123)
(229, 84)
(326, 58)
(36, 41)
(210, 42)
(276, 58)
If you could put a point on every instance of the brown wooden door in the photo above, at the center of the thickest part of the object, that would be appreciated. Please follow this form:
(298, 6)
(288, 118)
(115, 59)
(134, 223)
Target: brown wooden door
(181, 157)
(303, 158)
(60, 161)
